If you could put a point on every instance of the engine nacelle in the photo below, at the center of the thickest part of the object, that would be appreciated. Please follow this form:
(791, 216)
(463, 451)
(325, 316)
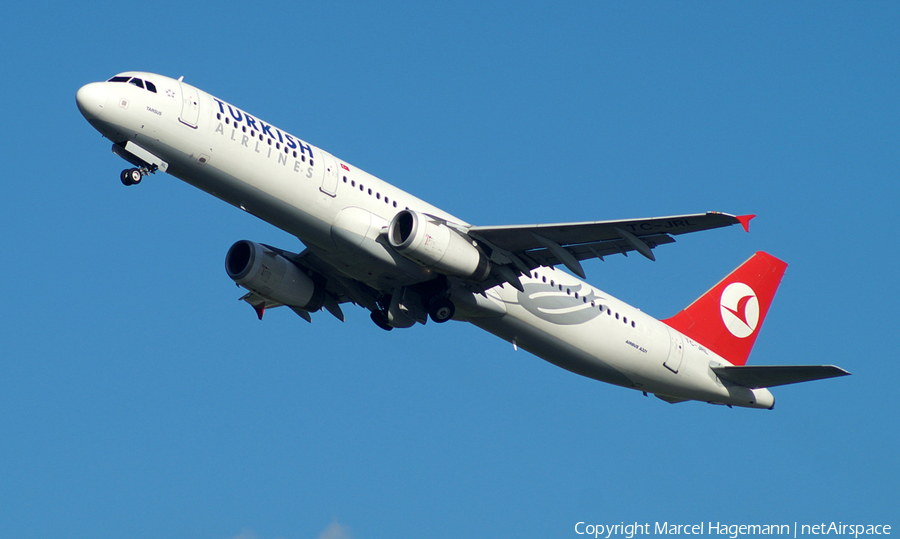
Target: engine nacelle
(272, 276)
(437, 246)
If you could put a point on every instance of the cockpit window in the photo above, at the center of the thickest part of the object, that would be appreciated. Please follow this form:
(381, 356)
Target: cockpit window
(136, 81)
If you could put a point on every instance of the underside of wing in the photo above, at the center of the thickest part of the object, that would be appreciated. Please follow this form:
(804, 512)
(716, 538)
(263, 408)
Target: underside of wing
(525, 247)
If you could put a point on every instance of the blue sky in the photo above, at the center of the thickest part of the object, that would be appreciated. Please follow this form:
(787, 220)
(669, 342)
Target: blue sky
(139, 398)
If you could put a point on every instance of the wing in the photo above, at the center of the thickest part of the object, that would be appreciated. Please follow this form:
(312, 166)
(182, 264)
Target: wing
(526, 247)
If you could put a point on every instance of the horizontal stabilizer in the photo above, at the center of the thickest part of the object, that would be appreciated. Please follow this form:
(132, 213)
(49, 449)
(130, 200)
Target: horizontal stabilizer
(756, 377)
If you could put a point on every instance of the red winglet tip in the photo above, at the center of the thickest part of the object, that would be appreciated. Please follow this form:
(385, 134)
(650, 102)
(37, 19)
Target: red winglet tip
(745, 221)
(260, 309)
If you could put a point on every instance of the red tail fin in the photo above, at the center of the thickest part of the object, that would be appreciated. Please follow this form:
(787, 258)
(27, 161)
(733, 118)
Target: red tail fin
(728, 317)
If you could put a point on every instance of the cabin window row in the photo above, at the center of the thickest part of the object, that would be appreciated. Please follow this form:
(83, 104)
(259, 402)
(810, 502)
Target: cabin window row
(584, 299)
(363, 189)
(302, 157)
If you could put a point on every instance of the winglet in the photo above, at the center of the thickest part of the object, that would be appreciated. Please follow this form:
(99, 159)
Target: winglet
(745, 221)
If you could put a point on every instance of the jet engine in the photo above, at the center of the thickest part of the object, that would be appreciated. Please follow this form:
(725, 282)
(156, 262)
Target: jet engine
(436, 246)
(272, 276)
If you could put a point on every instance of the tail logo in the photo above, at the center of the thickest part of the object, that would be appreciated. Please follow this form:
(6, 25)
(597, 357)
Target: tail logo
(740, 309)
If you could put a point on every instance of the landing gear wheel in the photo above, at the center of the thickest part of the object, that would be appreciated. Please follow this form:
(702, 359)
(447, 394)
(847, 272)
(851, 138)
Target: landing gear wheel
(131, 176)
(381, 320)
(441, 310)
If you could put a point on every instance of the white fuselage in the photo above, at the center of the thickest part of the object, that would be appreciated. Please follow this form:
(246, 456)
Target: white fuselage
(341, 213)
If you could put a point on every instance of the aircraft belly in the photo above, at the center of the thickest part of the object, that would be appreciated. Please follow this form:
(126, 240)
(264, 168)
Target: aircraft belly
(598, 342)
(272, 208)
(694, 379)
(471, 305)
(360, 252)
(552, 348)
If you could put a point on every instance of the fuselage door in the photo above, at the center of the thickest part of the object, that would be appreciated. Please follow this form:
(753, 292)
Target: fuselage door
(676, 351)
(190, 106)
(330, 178)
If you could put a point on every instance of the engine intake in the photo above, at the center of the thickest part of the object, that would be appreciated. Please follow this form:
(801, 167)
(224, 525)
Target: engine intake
(272, 276)
(436, 246)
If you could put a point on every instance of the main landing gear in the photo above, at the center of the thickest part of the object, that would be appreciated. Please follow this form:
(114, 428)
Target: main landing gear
(133, 176)
(441, 310)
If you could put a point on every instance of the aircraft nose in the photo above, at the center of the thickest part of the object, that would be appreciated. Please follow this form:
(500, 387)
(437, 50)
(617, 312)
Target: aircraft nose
(91, 99)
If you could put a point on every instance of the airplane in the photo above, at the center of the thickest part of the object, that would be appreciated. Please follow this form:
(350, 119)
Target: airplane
(371, 244)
